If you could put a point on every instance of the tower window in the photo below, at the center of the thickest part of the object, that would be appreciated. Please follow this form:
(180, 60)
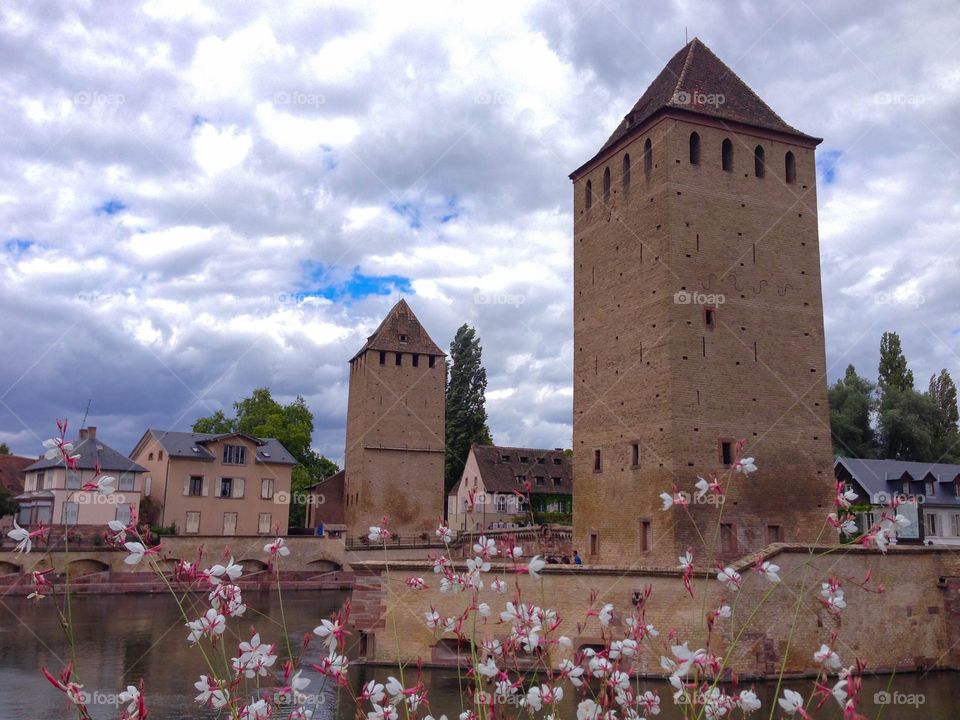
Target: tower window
(694, 149)
(709, 317)
(635, 455)
(606, 184)
(726, 453)
(626, 172)
(433, 359)
(416, 360)
(383, 358)
(399, 359)
(758, 166)
(726, 155)
(774, 534)
(645, 536)
(588, 194)
(594, 543)
(403, 338)
(790, 168)
(728, 538)
(597, 465)
(648, 157)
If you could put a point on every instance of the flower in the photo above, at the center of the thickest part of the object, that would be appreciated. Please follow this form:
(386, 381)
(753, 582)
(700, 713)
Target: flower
(104, 484)
(748, 701)
(605, 615)
(21, 537)
(373, 691)
(445, 534)
(277, 548)
(828, 658)
(136, 550)
(131, 695)
(485, 547)
(535, 566)
(330, 631)
(791, 702)
(416, 583)
(729, 578)
(588, 710)
(378, 534)
(769, 571)
(211, 624)
(258, 710)
(499, 586)
(211, 692)
(667, 499)
(432, 618)
(572, 672)
(745, 466)
(229, 572)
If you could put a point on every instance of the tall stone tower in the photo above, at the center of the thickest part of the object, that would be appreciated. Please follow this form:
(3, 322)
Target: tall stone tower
(395, 429)
(698, 322)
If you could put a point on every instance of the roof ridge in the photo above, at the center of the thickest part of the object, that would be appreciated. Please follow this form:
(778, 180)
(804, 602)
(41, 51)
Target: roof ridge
(686, 64)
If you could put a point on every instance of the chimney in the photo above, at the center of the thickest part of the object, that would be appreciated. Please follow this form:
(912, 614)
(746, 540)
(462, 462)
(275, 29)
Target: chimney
(83, 433)
(91, 432)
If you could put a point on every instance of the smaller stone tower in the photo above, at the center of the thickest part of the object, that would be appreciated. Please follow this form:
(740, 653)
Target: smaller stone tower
(395, 429)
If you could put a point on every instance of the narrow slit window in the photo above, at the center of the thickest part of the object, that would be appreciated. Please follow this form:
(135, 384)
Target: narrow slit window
(694, 149)
(709, 317)
(626, 172)
(588, 195)
(726, 453)
(383, 358)
(399, 359)
(758, 166)
(416, 360)
(790, 168)
(635, 454)
(606, 184)
(645, 545)
(726, 155)
(597, 465)
(648, 157)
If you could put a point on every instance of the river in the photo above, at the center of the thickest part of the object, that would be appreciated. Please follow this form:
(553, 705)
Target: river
(122, 638)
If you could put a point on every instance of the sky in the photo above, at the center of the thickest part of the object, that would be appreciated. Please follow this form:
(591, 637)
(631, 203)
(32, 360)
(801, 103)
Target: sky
(199, 199)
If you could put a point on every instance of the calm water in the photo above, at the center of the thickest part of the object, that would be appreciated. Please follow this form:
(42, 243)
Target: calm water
(121, 638)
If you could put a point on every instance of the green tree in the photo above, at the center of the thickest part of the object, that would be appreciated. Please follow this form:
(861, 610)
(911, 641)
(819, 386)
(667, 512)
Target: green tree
(894, 374)
(5, 449)
(466, 414)
(851, 403)
(907, 426)
(261, 416)
(943, 393)
(8, 506)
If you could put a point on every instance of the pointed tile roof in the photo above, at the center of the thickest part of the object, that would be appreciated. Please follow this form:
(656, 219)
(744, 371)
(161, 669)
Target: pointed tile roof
(697, 81)
(400, 331)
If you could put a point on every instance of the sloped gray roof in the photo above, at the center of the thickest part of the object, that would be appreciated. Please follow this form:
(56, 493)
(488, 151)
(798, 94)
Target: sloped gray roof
(92, 451)
(500, 475)
(882, 476)
(182, 444)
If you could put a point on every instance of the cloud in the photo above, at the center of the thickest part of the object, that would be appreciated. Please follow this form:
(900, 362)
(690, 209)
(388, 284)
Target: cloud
(203, 198)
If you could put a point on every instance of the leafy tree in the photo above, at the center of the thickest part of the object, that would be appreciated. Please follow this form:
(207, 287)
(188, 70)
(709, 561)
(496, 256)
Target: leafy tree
(292, 424)
(851, 403)
(466, 414)
(8, 506)
(894, 374)
(907, 426)
(5, 449)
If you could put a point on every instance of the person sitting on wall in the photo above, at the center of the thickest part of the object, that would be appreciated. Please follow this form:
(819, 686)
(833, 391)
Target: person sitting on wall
(577, 560)
(565, 560)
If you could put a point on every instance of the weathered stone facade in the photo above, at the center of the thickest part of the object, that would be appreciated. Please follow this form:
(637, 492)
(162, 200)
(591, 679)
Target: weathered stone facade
(395, 429)
(666, 370)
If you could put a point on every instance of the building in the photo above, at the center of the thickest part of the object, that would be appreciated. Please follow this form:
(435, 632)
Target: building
(208, 484)
(325, 509)
(395, 429)
(486, 496)
(52, 494)
(698, 322)
(931, 492)
(11, 480)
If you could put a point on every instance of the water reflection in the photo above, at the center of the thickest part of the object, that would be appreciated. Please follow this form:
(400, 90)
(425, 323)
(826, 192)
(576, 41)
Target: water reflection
(122, 638)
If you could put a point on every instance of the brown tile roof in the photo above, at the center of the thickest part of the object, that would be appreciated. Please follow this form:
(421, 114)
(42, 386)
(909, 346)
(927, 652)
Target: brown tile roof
(11, 467)
(400, 331)
(695, 72)
(500, 466)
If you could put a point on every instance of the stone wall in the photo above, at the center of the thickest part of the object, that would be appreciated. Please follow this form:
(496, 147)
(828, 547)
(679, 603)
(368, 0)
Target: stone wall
(913, 623)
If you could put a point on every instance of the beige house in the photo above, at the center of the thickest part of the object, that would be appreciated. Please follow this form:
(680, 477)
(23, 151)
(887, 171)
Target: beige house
(52, 494)
(230, 484)
(486, 496)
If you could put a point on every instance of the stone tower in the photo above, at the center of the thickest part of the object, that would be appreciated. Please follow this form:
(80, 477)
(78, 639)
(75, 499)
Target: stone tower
(395, 429)
(698, 322)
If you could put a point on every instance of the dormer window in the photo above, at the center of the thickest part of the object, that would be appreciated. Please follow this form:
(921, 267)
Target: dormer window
(505, 458)
(234, 454)
(403, 338)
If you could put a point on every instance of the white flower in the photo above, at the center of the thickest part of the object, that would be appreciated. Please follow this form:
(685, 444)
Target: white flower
(588, 710)
(22, 538)
(748, 701)
(606, 613)
(477, 564)
(329, 632)
(533, 699)
(211, 692)
(212, 623)
(488, 669)
(702, 487)
(130, 695)
(687, 658)
(791, 701)
(499, 586)
(667, 499)
(828, 658)
(378, 534)
(483, 610)
(373, 691)
(106, 484)
(136, 551)
(565, 642)
(445, 534)
(229, 572)
(433, 619)
(724, 611)
(745, 466)
(535, 566)
(277, 547)
(769, 571)
(572, 672)
(487, 547)
(730, 578)
(383, 712)
(686, 561)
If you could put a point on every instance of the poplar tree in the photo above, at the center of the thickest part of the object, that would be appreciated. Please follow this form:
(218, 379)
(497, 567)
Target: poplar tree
(466, 414)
